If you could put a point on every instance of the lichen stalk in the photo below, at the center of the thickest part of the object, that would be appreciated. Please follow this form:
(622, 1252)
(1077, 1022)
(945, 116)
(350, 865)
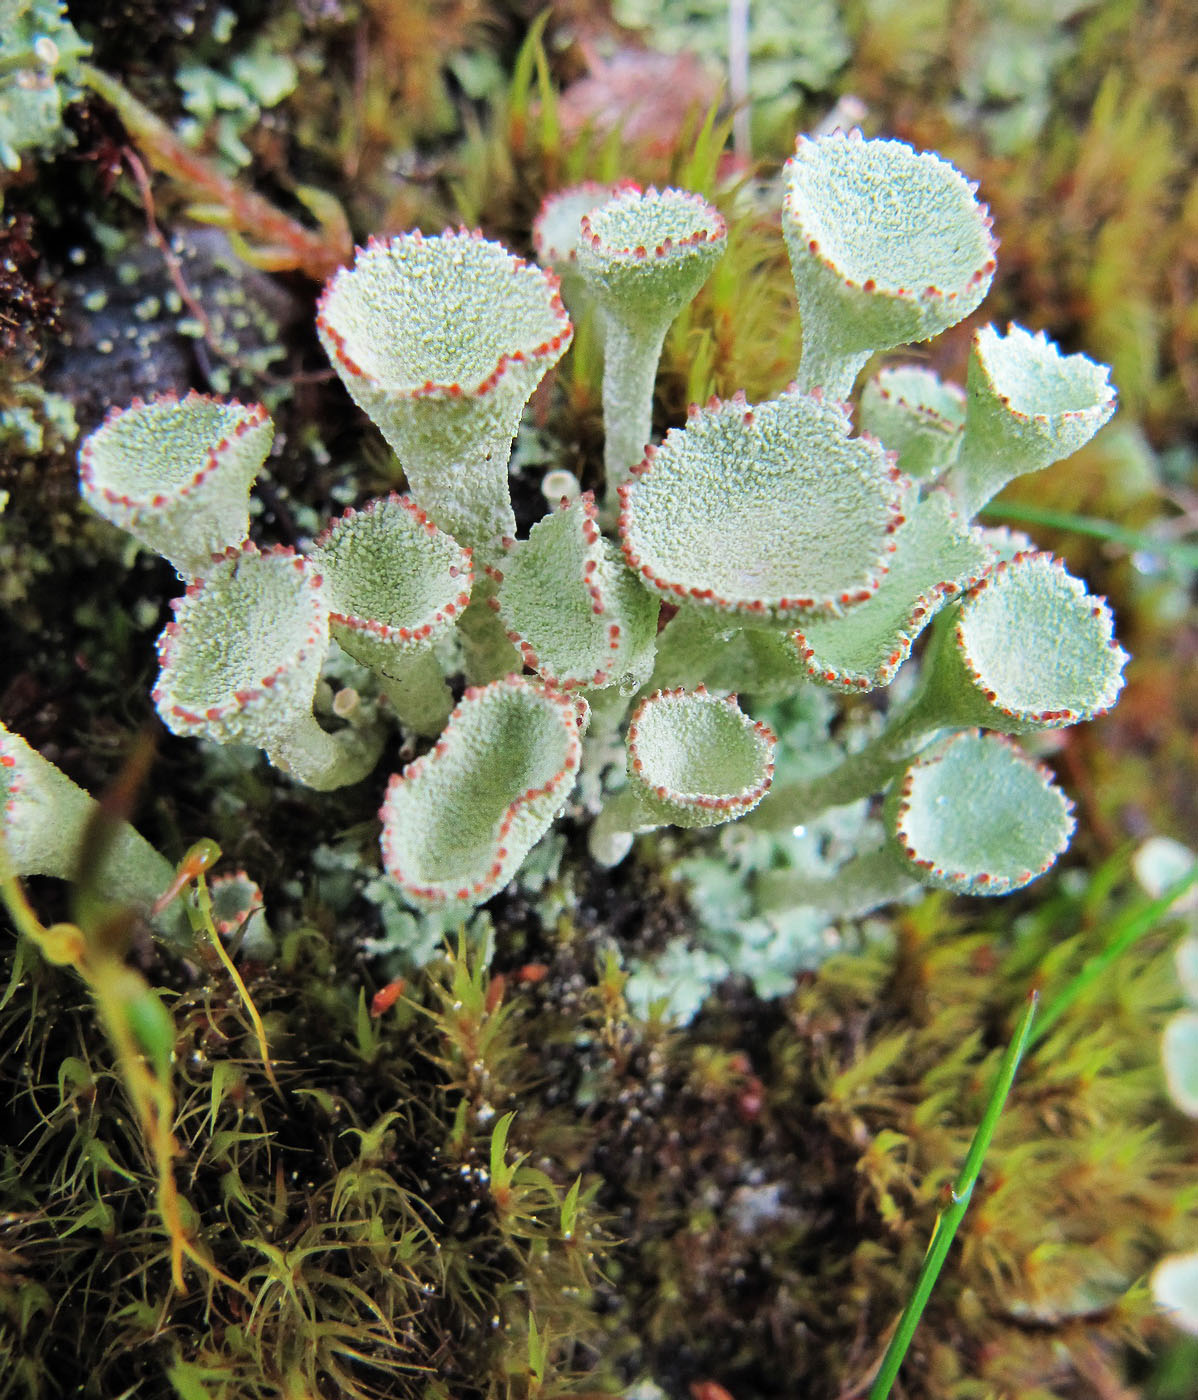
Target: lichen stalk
(419, 694)
(46, 819)
(820, 366)
(860, 774)
(631, 355)
(324, 761)
(861, 885)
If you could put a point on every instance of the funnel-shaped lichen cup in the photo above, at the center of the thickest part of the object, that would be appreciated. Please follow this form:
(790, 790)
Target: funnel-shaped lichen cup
(936, 557)
(578, 616)
(458, 822)
(887, 245)
(395, 584)
(240, 662)
(442, 341)
(694, 759)
(176, 473)
(765, 512)
(556, 231)
(978, 816)
(917, 415)
(1029, 649)
(1027, 407)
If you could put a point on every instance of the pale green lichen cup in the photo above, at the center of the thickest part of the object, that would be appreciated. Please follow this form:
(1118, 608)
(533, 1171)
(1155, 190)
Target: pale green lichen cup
(240, 661)
(176, 474)
(458, 822)
(1028, 405)
(441, 341)
(887, 245)
(395, 585)
(643, 255)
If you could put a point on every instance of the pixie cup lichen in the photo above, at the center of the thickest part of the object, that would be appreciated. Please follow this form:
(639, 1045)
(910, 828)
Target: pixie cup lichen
(556, 230)
(887, 246)
(176, 473)
(394, 585)
(917, 415)
(1029, 649)
(441, 341)
(694, 759)
(1027, 407)
(763, 549)
(643, 256)
(978, 816)
(572, 608)
(936, 556)
(458, 823)
(240, 662)
(763, 510)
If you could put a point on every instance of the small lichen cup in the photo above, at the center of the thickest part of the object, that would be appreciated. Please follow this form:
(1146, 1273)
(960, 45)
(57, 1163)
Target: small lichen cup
(1029, 648)
(887, 245)
(1027, 406)
(567, 601)
(395, 584)
(458, 822)
(441, 341)
(176, 473)
(643, 255)
(978, 816)
(917, 415)
(936, 557)
(695, 759)
(556, 231)
(240, 662)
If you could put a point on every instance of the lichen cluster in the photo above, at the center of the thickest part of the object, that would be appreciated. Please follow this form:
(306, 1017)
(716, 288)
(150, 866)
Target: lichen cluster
(736, 1204)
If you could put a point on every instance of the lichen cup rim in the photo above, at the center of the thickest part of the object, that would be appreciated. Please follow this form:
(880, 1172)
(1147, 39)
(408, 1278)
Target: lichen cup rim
(351, 359)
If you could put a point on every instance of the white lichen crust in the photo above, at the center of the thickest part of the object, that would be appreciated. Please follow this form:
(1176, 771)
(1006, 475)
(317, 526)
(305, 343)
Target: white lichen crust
(1179, 1058)
(441, 341)
(458, 822)
(176, 473)
(979, 816)
(1174, 1286)
(567, 601)
(769, 510)
(1030, 649)
(695, 759)
(887, 245)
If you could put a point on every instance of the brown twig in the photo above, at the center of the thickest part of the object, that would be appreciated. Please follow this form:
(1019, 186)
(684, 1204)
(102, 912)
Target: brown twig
(286, 246)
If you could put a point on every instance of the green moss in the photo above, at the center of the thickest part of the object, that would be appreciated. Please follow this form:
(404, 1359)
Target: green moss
(363, 1242)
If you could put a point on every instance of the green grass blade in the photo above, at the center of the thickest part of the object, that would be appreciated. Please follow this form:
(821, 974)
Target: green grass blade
(950, 1218)
(1138, 921)
(1135, 541)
